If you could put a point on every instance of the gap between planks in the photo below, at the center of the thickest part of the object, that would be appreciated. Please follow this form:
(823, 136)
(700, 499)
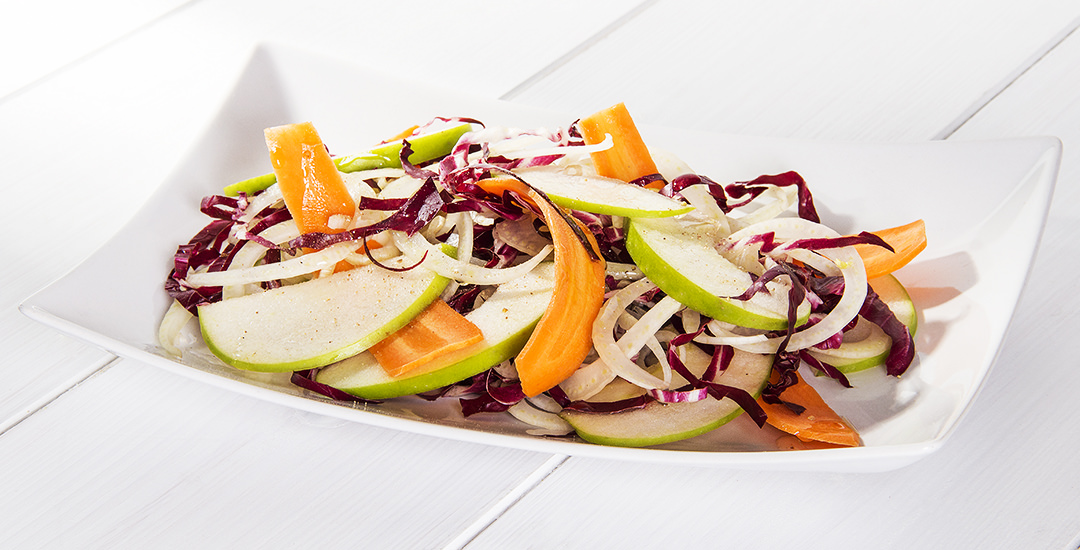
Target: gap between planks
(93, 370)
(577, 50)
(506, 502)
(1009, 79)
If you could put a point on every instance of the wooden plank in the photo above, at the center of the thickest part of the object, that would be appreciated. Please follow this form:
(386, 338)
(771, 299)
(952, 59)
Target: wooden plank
(854, 70)
(41, 37)
(136, 457)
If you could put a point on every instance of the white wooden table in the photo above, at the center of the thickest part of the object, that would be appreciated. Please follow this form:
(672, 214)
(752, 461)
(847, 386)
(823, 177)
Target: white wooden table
(98, 101)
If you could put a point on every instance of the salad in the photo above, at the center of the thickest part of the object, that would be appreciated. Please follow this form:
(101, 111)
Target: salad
(572, 278)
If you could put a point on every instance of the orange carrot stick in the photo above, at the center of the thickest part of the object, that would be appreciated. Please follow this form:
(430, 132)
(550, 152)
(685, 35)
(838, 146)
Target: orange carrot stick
(436, 331)
(628, 158)
(907, 242)
(818, 422)
(309, 180)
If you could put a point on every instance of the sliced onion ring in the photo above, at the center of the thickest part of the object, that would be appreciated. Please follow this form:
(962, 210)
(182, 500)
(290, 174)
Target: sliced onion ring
(845, 259)
(417, 248)
(604, 338)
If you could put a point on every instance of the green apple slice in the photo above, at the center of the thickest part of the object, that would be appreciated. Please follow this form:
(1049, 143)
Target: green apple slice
(387, 155)
(506, 319)
(679, 255)
(658, 423)
(893, 293)
(600, 195)
(872, 349)
(317, 322)
(869, 350)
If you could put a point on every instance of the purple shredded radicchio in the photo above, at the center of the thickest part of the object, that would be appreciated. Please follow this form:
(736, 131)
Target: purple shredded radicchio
(607, 407)
(784, 366)
(864, 237)
(757, 186)
(825, 368)
(412, 216)
(717, 390)
(748, 191)
(204, 249)
(306, 379)
(902, 352)
(498, 394)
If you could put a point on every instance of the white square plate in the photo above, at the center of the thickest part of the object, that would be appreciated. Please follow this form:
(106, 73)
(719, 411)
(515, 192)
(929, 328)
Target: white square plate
(984, 204)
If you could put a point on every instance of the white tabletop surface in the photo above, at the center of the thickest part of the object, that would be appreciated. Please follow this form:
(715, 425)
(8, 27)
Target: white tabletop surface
(99, 101)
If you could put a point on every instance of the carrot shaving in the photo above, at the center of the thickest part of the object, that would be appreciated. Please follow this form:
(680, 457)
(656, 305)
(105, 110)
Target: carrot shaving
(816, 423)
(628, 158)
(401, 135)
(310, 183)
(563, 336)
(436, 331)
(907, 242)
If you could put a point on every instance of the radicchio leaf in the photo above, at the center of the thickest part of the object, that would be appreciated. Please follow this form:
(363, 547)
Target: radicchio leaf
(902, 352)
(412, 216)
(306, 379)
(755, 187)
(607, 407)
(719, 391)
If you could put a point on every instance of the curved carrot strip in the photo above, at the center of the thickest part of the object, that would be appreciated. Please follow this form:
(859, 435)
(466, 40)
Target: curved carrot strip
(402, 134)
(563, 337)
(818, 422)
(907, 241)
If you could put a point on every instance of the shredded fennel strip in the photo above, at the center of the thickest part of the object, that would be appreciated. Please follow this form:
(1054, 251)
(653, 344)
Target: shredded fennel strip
(463, 223)
(415, 247)
(845, 259)
(267, 198)
(588, 380)
(783, 197)
(604, 338)
(548, 423)
(661, 356)
(705, 207)
(644, 330)
(691, 320)
(623, 272)
(251, 252)
(171, 325)
(524, 152)
(302, 265)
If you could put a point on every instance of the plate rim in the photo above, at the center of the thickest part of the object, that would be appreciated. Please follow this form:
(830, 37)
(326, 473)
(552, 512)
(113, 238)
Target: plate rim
(876, 458)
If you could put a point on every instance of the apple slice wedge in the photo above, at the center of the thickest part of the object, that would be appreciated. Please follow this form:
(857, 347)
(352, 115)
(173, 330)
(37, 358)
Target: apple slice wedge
(317, 322)
(868, 346)
(679, 255)
(658, 423)
(600, 195)
(506, 319)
